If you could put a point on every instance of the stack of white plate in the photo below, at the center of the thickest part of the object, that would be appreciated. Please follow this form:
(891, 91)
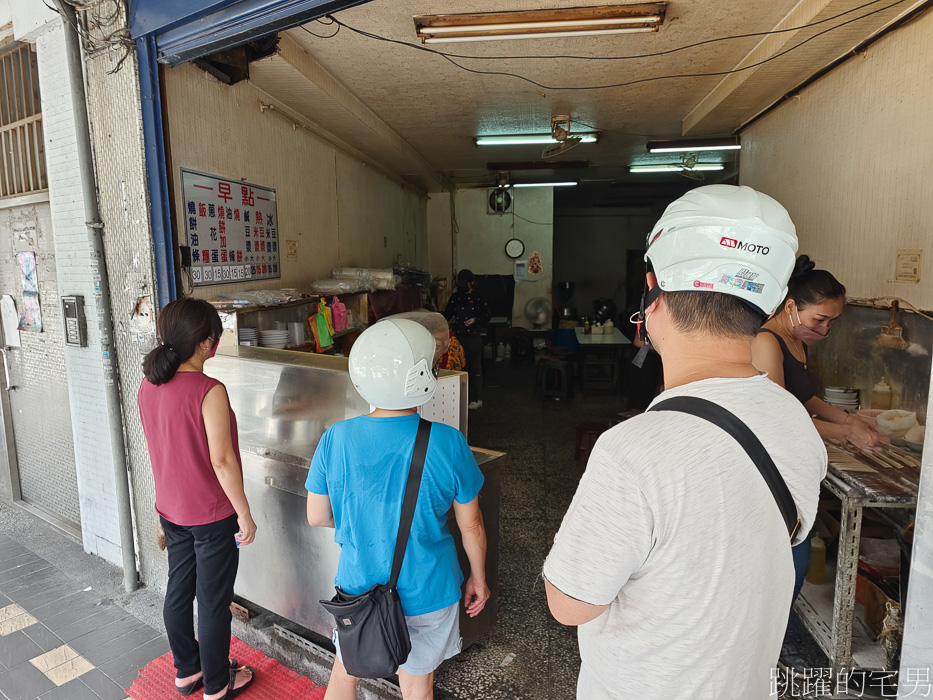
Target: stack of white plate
(248, 335)
(845, 398)
(273, 339)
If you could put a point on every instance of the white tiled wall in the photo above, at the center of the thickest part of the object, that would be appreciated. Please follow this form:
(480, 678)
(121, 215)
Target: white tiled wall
(78, 273)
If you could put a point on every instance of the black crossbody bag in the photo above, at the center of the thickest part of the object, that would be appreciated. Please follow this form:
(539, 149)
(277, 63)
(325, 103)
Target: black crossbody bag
(701, 408)
(371, 626)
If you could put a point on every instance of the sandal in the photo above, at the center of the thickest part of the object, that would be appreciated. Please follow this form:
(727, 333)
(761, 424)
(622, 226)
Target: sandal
(195, 684)
(233, 692)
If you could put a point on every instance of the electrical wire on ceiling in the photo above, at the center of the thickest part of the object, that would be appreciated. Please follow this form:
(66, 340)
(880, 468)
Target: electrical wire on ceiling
(634, 56)
(448, 57)
(326, 24)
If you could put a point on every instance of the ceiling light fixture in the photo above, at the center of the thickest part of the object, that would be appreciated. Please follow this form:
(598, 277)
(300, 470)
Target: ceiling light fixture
(530, 24)
(528, 35)
(545, 184)
(694, 145)
(674, 168)
(529, 139)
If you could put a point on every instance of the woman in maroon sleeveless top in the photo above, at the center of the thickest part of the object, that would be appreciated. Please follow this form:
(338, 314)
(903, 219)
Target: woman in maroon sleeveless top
(191, 436)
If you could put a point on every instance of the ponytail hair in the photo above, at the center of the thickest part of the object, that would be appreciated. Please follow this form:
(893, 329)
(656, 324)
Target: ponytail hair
(181, 326)
(809, 286)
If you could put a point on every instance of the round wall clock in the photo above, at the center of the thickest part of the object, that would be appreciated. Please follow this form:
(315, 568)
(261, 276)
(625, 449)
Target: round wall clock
(514, 248)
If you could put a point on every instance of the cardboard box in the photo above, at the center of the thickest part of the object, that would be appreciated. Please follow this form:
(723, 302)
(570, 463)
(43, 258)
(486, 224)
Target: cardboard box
(875, 607)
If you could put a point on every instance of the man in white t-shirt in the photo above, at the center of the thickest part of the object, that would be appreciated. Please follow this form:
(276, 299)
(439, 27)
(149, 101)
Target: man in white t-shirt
(673, 558)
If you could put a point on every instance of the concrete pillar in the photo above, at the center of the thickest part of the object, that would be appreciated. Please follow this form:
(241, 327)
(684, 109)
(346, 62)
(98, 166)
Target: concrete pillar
(917, 650)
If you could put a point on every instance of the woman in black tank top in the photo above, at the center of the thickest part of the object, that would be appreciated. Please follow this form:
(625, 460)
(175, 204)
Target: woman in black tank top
(815, 300)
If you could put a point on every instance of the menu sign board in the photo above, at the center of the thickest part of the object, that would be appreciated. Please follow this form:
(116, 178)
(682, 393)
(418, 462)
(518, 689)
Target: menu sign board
(231, 228)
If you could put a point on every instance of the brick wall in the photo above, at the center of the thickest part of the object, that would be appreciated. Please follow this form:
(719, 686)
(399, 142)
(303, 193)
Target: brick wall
(78, 273)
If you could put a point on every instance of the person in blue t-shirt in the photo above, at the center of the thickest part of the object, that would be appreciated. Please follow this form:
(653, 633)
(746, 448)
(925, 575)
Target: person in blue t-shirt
(356, 485)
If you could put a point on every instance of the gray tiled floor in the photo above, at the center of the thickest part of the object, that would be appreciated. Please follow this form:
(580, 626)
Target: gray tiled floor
(529, 655)
(63, 612)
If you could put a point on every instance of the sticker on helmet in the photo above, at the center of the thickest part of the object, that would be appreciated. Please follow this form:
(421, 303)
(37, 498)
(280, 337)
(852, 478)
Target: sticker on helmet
(742, 245)
(704, 285)
(747, 274)
(739, 283)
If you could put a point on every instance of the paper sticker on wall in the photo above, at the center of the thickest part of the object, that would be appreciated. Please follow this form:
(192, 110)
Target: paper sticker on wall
(907, 268)
(521, 270)
(31, 320)
(142, 319)
(535, 266)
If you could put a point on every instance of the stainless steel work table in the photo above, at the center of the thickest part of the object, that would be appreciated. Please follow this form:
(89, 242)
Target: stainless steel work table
(284, 401)
(828, 611)
(601, 352)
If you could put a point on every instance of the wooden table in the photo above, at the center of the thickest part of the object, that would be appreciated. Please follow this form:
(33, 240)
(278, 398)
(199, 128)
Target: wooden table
(603, 351)
(860, 480)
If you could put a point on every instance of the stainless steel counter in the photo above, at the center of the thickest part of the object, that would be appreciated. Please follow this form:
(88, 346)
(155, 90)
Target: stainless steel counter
(284, 401)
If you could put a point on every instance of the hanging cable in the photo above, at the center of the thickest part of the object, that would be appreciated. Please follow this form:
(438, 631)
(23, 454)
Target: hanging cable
(331, 36)
(614, 58)
(448, 57)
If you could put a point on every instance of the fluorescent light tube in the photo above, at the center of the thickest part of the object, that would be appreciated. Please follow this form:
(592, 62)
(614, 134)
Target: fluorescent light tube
(693, 149)
(692, 145)
(675, 168)
(532, 26)
(544, 184)
(531, 35)
(525, 140)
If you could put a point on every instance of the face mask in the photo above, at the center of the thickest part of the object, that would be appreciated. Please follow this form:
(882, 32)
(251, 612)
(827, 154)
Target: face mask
(806, 334)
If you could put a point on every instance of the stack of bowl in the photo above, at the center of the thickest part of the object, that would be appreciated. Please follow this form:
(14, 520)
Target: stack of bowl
(273, 339)
(843, 397)
(247, 335)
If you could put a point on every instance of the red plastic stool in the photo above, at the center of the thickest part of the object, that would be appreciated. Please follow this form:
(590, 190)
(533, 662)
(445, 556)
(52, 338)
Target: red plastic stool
(588, 432)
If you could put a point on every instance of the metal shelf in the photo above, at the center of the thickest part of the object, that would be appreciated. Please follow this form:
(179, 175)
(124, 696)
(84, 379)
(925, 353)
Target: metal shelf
(815, 607)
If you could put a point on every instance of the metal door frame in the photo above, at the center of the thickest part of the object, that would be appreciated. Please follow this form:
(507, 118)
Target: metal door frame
(9, 466)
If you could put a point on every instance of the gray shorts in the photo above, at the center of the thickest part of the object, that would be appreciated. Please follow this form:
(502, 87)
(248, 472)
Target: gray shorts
(435, 637)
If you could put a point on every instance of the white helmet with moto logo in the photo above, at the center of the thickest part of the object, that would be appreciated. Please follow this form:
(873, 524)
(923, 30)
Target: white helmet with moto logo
(728, 239)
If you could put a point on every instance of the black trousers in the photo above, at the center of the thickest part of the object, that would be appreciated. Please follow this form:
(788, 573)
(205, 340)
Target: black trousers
(202, 564)
(473, 354)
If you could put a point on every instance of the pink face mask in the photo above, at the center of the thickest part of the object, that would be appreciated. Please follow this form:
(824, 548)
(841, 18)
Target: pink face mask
(806, 334)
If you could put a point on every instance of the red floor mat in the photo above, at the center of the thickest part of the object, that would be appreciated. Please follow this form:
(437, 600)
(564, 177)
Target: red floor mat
(273, 680)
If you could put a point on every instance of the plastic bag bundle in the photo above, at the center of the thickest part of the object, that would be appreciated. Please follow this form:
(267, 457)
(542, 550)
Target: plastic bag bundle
(339, 312)
(261, 297)
(915, 434)
(895, 423)
(374, 279)
(339, 286)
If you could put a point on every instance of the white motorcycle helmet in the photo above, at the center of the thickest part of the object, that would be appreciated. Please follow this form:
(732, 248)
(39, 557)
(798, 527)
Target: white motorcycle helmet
(728, 239)
(392, 364)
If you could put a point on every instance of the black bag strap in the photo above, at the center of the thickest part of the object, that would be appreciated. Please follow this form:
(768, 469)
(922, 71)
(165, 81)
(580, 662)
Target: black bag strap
(701, 408)
(411, 497)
